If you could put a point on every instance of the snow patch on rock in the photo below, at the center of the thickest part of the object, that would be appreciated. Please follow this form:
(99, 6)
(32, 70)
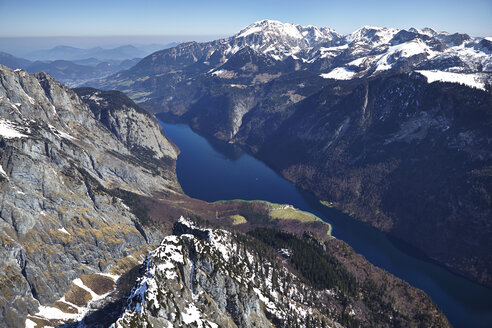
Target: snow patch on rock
(339, 73)
(471, 80)
(64, 231)
(60, 134)
(11, 130)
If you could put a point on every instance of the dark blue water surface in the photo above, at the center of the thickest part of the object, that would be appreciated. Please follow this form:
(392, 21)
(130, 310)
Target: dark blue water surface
(211, 171)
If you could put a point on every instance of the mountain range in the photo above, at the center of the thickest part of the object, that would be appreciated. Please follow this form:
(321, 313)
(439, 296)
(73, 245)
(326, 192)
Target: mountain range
(392, 126)
(74, 66)
(71, 73)
(118, 53)
(366, 53)
(96, 232)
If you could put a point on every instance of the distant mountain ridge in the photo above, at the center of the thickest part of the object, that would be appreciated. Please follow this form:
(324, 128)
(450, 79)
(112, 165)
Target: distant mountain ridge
(371, 122)
(118, 53)
(75, 66)
(365, 53)
(71, 73)
(14, 62)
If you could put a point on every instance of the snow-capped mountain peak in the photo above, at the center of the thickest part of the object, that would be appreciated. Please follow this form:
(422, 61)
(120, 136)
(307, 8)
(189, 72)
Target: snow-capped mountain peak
(374, 35)
(281, 40)
(424, 31)
(270, 27)
(364, 53)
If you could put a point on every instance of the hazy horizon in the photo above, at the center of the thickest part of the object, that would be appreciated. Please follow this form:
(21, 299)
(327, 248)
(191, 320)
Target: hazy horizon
(22, 46)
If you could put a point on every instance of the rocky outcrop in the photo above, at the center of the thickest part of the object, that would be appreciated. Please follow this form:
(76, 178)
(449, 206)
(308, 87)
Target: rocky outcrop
(133, 126)
(62, 180)
(183, 284)
(212, 277)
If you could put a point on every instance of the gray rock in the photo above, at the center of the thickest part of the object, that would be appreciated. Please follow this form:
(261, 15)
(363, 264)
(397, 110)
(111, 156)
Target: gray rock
(208, 282)
(59, 163)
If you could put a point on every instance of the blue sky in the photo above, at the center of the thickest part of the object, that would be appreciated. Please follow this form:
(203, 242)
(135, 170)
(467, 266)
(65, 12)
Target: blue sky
(220, 17)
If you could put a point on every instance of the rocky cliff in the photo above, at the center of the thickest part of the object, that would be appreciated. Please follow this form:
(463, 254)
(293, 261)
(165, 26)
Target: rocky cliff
(63, 176)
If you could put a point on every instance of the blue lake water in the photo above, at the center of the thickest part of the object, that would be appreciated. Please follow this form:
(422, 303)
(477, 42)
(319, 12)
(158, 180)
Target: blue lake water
(211, 171)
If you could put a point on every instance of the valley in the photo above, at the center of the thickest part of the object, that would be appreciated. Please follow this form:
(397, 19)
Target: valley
(89, 192)
(379, 144)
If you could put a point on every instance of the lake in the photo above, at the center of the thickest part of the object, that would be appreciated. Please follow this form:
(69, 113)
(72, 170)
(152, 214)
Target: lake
(211, 170)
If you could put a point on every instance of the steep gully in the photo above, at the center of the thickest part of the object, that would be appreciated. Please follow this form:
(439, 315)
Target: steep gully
(212, 170)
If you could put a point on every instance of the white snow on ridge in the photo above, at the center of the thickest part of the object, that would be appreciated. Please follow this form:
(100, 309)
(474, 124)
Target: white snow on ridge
(78, 282)
(335, 48)
(471, 80)
(309, 43)
(332, 51)
(411, 48)
(339, 73)
(382, 35)
(219, 72)
(249, 31)
(95, 98)
(63, 230)
(357, 62)
(425, 31)
(30, 324)
(54, 313)
(286, 29)
(10, 130)
(2, 172)
(279, 40)
(473, 58)
(407, 49)
(191, 314)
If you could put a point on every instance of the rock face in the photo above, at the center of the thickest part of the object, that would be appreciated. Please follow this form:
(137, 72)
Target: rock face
(63, 176)
(135, 128)
(184, 284)
(210, 277)
(392, 126)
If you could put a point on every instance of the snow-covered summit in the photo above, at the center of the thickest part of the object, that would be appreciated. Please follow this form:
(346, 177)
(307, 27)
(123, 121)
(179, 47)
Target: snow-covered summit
(424, 31)
(270, 26)
(287, 30)
(370, 50)
(374, 35)
(281, 40)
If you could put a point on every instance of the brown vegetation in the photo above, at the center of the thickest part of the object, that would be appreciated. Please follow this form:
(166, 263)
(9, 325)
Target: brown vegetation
(98, 283)
(78, 296)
